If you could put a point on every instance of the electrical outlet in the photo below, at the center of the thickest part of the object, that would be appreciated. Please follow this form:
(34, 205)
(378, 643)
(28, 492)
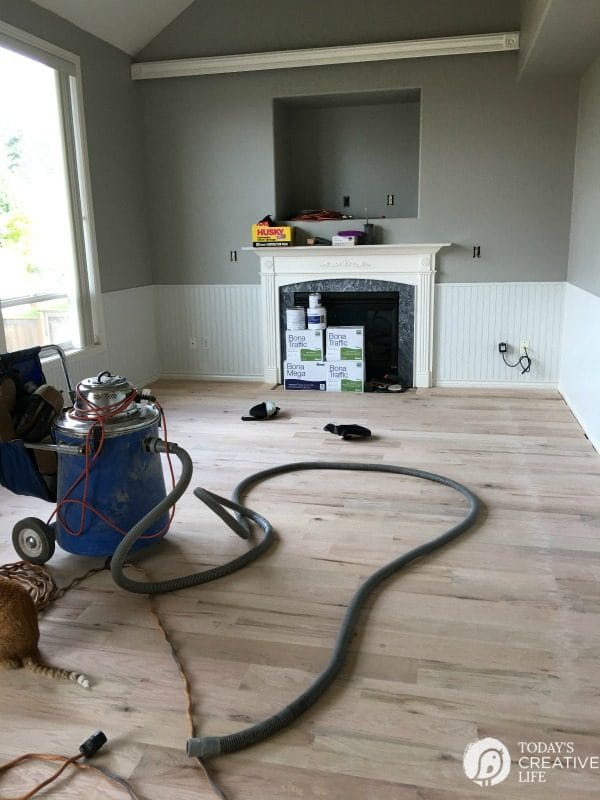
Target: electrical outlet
(502, 347)
(524, 347)
(193, 343)
(389, 200)
(346, 201)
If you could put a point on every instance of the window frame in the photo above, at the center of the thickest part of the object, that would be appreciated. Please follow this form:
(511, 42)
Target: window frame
(70, 95)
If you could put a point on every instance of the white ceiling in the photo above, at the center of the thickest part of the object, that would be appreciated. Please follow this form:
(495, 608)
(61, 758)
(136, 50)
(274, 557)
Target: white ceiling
(126, 24)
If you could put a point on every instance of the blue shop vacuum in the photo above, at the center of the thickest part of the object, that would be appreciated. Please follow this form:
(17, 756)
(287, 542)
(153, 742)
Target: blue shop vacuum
(105, 476)
(111, 500)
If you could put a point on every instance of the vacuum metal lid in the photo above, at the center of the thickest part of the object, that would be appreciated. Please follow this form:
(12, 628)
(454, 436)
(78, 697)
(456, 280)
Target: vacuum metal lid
(105, 391)
(111, 399)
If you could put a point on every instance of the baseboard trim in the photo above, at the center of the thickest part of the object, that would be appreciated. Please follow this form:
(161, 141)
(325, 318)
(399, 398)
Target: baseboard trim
(148, 381)
(540, 386)
(595, 444)
(191, 376)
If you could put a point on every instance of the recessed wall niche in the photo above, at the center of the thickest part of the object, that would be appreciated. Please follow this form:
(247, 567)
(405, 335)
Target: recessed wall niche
(348, 153)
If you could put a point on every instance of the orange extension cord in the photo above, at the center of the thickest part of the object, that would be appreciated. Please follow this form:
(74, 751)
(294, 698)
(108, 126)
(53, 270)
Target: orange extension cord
(44, 589)
(66, 762)
(19, 573)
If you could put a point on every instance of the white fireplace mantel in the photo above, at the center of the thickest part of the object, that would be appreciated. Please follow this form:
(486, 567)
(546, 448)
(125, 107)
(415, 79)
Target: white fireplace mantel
(413, 264)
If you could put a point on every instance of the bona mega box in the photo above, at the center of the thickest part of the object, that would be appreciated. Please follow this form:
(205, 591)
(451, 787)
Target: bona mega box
(345, 376)
(305, 375)
(345, 343)
(306, 345)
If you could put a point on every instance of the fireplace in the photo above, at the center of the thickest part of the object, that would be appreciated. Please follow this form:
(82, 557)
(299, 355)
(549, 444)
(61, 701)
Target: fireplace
(384, 308)
(409, 265)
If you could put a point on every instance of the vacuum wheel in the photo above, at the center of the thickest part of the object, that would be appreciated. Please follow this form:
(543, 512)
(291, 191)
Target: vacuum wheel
(33, 540)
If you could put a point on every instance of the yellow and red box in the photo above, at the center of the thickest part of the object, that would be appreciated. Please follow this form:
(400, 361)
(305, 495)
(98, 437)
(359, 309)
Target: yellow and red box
(272, 235)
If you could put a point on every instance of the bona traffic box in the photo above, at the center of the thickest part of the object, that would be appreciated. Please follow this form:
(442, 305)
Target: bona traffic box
(345, 343)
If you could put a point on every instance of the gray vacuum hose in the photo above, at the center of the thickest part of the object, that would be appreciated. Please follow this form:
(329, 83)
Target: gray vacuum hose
(209, 746)
(216, 504)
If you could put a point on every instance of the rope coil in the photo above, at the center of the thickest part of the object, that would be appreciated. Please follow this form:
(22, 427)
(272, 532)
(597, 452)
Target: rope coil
(38, 583)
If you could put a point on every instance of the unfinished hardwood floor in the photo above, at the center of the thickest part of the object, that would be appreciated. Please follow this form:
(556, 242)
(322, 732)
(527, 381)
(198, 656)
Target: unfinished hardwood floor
(498, 635)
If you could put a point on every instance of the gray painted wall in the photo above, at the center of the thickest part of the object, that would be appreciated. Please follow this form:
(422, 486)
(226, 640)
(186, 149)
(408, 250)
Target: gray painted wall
(112, 112)
(584, 255)
(496, 166)
(532, 16)
(220, 27)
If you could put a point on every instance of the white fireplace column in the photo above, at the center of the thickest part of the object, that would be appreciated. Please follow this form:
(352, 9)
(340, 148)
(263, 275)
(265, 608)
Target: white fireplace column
(413, 264)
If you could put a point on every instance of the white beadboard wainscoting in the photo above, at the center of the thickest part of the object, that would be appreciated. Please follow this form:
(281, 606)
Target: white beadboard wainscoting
(131, 341)
(210, 331)
(472, 318)
(580, 360)
(149, 331)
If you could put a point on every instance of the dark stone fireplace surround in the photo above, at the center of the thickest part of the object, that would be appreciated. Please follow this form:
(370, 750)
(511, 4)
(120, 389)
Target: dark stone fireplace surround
(406, 311)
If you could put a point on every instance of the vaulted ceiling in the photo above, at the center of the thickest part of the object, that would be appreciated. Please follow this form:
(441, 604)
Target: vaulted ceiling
(126, 24)
(557, 36)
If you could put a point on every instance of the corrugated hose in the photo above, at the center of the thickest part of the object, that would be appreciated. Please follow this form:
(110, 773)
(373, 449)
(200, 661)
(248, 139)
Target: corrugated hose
(210, 746)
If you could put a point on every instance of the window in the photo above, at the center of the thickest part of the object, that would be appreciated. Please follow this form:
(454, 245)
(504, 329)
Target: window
(47, 278)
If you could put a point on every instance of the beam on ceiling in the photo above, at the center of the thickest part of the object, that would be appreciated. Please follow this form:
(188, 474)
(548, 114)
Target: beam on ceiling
(321, 56)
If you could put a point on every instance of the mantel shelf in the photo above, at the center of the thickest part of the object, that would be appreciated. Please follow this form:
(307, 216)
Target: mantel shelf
(300, 251)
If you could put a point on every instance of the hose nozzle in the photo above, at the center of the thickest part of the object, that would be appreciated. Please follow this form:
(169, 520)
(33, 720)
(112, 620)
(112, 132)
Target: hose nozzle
(205, 747)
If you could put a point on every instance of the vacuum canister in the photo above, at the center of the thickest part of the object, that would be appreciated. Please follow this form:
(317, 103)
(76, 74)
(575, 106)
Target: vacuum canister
(104, 491)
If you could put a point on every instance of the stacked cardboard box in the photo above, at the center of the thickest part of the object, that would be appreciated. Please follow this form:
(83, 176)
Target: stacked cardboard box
(345, 376)
(345, 343)
(345, 348)
(306, 345)
(305, 375)
(331, 360)
(304, 367)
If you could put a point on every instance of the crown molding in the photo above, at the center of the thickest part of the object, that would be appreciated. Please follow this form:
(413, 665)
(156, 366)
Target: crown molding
(322, 56)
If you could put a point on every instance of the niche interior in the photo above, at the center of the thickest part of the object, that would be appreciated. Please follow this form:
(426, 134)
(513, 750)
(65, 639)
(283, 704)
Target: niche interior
(348, 153)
